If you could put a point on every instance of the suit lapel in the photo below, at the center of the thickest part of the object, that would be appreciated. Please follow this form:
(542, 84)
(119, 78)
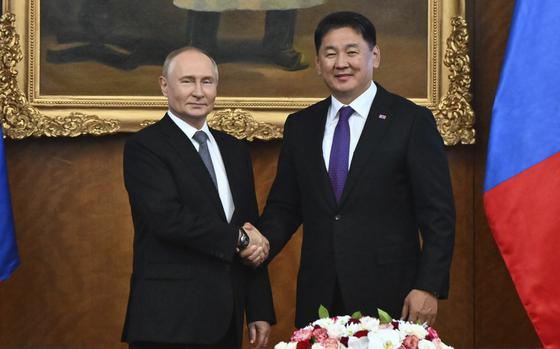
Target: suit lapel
(186, 151)
(314, 143)
(378, 120)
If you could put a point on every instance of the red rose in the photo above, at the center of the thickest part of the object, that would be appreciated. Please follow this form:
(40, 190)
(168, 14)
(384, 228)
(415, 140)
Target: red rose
(360, 334)
(304, 345)
(353, 321)
(344, 341)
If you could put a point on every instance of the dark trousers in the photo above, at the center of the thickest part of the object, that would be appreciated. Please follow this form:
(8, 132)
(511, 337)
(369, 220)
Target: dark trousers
(229, 341)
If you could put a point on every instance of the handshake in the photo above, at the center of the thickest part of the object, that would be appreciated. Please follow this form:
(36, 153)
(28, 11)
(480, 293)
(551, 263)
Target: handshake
(253, 247)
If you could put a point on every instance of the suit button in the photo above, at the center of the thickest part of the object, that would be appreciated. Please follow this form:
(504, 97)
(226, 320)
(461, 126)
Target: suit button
(337, 217)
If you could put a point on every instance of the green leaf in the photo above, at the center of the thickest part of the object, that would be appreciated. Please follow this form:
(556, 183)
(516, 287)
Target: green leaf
(323, 312)
(357, 315)
(384, 318)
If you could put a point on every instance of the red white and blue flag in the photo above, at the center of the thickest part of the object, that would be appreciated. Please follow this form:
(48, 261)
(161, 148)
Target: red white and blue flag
(9, 259)
(522, 185)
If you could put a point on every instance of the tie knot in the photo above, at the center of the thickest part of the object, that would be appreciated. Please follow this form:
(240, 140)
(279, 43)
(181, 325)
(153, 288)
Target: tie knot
(345, 112)
(200, 137)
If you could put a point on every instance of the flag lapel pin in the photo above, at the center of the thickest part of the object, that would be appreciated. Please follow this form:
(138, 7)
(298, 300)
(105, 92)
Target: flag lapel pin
(382, 116)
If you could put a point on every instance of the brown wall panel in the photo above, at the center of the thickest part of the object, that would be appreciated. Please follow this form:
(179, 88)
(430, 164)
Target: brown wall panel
(455, 321)
(74, 235)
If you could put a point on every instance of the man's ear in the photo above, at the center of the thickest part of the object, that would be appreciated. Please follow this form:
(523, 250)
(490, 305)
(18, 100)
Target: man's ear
(376, 57)
(163, 85)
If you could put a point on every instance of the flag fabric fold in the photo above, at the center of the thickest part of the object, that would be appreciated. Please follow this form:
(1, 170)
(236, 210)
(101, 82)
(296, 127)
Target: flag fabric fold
(522, 184)
(9, 258)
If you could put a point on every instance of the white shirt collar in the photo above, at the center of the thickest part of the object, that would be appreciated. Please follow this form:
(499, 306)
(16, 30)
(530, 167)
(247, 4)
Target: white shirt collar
(188, 129)
(361, 105)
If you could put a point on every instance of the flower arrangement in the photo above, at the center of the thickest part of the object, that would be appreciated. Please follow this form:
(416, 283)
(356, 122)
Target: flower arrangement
(363, 332)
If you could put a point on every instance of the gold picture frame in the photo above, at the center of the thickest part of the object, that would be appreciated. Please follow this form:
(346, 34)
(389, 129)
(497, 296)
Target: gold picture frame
(28, 111)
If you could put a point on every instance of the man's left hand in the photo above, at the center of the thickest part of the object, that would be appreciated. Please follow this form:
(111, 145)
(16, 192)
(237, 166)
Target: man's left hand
(258, 333)
(420, 307)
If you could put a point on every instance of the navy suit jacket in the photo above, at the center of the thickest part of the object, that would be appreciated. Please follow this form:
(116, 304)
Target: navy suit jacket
(398, 185)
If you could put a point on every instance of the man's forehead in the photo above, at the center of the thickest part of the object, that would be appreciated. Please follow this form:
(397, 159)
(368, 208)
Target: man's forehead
(192, 63)
(342, 39)
(190, 58)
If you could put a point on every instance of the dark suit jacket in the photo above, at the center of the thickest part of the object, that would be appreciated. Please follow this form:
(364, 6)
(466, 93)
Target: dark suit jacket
(398, 184)
(187, 281)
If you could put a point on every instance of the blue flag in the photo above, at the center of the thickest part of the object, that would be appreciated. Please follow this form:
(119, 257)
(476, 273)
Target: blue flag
(525, 128)
(9, 259)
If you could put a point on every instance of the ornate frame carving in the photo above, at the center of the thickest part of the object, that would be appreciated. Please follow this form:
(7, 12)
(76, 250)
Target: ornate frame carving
(29, 114)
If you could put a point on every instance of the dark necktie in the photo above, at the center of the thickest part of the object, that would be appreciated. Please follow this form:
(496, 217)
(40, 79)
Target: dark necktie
(202, 139)
(338, 161)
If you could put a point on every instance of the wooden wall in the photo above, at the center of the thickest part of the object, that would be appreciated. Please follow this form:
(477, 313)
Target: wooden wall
(75, 234)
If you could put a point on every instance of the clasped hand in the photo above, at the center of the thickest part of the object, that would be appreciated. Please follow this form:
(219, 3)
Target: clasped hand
(257, 251)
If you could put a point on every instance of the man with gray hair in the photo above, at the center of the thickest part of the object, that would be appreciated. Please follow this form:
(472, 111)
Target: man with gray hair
(190, 190)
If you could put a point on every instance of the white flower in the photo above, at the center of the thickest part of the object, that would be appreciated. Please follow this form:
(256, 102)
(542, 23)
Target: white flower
(336, 330)
(384, 339)
(426, 344)
(358, 343)
(342, 319)
(413, 329)
(284, 345)
(281, 345)
(324, 322)
(316, 346)
(353, 328)
(369, 323)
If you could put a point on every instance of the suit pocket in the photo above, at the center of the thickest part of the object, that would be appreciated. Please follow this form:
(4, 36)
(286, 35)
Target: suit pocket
(397, 254)
(165, 271)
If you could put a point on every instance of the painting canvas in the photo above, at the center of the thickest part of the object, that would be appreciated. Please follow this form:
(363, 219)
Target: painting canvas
(263, 48)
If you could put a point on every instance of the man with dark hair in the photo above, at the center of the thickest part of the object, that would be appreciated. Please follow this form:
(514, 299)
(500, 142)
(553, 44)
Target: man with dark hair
(190, 189)
(356, 21)
(364, 171)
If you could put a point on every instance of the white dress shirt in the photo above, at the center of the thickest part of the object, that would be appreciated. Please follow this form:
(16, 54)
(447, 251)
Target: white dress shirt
(357, 120)
(221, 176)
